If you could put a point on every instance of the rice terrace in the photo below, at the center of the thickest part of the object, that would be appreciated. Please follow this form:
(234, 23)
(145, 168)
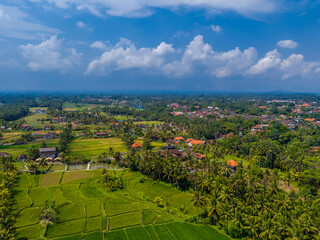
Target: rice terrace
(86, 209)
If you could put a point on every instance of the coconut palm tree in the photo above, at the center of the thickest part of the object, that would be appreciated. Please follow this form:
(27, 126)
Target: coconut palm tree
(199, 201)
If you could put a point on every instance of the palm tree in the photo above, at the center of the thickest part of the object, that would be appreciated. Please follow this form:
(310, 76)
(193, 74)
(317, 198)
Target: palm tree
(253, 224)
(42, 164)
(198, 201)
(48, 215)
(214, 210)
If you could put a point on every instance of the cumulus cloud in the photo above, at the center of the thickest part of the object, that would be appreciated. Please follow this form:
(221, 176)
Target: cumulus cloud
(199, 58)
(271, 60)
(287, 44)
(14, 23)
(99, 45)
(81, 24)
(49, 55)
(216, 28)
(121, 57)
(142, 8)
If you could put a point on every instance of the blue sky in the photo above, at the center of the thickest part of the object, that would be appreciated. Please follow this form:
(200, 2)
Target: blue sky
(194, 45)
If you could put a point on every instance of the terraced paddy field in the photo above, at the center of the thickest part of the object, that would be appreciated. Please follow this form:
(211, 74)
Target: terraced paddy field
(95, 146)
(86, 209)
(16, 150)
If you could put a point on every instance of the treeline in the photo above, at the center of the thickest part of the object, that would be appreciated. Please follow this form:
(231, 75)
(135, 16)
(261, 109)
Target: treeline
(8, 177)
(11, 112)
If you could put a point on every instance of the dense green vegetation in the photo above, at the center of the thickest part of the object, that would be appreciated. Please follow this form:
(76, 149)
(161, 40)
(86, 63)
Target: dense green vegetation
(84, 206)
(272, 191)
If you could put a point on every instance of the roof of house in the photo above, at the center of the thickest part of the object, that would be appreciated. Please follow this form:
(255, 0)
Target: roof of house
(4, 154)
(232, 163)
(178, 138)
(196, 142)
(50, 149)
(199, 155)
(136, 145)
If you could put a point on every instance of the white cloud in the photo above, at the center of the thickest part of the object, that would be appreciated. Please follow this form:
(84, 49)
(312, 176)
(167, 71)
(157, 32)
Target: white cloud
(14, 23)
(216, 28)
(200, 59)
(287, 44)
(81, 24)
(121, 57)
(99, 45)
(142, 8)
(49, 55)
(271, 60)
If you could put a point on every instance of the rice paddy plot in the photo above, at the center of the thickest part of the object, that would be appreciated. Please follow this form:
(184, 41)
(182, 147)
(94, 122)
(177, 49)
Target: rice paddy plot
(30, 232)
(65, 229)
(39, 196)
(113, 209)
(73, 176)
(50, 179)
(70, 212)
(71, 192)
(28, 216)
(125, 220)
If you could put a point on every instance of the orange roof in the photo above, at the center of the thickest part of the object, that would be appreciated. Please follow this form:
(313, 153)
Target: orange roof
(136, 145)
(196, 142)
(199, 155)
(58, 132)
(263, 107)
(232, 163)
(310, 119)
(178, 138)
(189, 139)
(109, 131)
(305, 105)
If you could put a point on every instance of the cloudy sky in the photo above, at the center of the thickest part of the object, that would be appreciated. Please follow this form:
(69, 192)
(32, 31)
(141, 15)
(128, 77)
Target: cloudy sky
(193, 45)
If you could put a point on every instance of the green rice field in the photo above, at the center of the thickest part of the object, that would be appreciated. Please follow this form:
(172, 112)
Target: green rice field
(86, 209)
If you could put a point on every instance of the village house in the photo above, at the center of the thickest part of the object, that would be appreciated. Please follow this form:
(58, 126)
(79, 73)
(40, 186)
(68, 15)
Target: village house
(48, 152)
(101, 134)
(40, 111)
(27, 127)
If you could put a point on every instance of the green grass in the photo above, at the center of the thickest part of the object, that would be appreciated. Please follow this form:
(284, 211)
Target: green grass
(50, 179)
(73, 176)
(89, 190)
(56, 167)
(93, 208)
(71, 211)
(116, 235)
(161, 228)
(28, 216)
(39, 196)
(73, 237)
(29, 232)
(148, 217)
(138, 233)
(93, 224)
(166, 236)
(86, 207)
(125, 220)
(57, 196)
(66, 228)
(152, 233)
(21, 198)
(94, 236)
(185, 231)
(16, 150)
(95, 146)
(71, 192)
(24, 180)
(119, 208)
